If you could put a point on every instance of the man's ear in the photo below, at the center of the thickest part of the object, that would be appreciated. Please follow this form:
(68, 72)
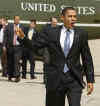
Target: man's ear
(62, 18)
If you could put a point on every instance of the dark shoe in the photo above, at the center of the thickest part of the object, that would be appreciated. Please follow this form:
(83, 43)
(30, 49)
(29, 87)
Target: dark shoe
(9, 79)
(17, 79)
(23, 76)
(33, 77)
(4, 75)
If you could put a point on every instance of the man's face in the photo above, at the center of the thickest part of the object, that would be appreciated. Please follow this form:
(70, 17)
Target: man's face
(54, 22)
(4, 22)
(32, 25)
(70, 18)
(17, 20)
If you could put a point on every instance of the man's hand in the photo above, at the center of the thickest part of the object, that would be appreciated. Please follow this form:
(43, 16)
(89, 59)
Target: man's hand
(19, 32)
(4, 49)
(89, 88)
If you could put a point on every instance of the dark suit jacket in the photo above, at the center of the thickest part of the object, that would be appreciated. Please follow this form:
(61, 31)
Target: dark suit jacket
(35, 33)
(0, 26)
(46, 56)
(51, 39)
(9, 34)
(48, 26)
(26, 29)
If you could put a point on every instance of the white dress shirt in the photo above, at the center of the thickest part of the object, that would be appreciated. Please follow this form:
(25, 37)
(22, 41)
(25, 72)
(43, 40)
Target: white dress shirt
(30, 33)
(63, 36)
(17, 42)
(1, 35)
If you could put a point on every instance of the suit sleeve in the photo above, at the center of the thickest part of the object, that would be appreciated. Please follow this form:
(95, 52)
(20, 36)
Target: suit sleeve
(5, 37)
(40, 40)
(87, 59)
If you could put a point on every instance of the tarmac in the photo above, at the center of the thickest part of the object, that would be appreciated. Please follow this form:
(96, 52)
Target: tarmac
(32, 92)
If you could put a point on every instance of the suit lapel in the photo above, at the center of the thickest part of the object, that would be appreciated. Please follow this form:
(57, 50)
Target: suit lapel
(20, 26)
(58, 39)
(12, 28)
(76, 36)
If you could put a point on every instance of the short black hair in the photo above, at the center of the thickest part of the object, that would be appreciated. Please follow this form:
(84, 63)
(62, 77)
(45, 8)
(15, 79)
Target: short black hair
(33, 20)
(66, 9)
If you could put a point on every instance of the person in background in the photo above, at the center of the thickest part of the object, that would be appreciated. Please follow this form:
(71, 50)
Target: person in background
(14, 49)
(30, 32)
(53, 23)
(3, 54)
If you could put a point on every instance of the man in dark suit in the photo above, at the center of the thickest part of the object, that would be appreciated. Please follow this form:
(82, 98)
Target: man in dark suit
(14, 49)
(28, 54)
(65, 44)
(53, 24)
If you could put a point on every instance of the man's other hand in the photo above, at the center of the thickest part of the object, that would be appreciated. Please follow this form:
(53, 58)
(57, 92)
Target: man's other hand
(89, 88)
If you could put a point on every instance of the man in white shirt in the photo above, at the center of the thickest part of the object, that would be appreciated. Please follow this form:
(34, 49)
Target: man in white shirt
(4, 23)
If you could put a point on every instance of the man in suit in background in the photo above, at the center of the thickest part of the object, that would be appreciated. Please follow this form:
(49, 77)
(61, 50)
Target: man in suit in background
(65, 44)
(53, 24)
(14, 49)
(3, 54)
(30, 32)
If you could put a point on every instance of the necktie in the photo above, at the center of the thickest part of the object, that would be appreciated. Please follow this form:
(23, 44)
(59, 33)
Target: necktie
(15, 36)
(66, 48)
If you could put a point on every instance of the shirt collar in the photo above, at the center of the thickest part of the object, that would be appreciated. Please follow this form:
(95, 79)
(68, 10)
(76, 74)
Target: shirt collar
(31, 28)
(16, 25)
(65, 29)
